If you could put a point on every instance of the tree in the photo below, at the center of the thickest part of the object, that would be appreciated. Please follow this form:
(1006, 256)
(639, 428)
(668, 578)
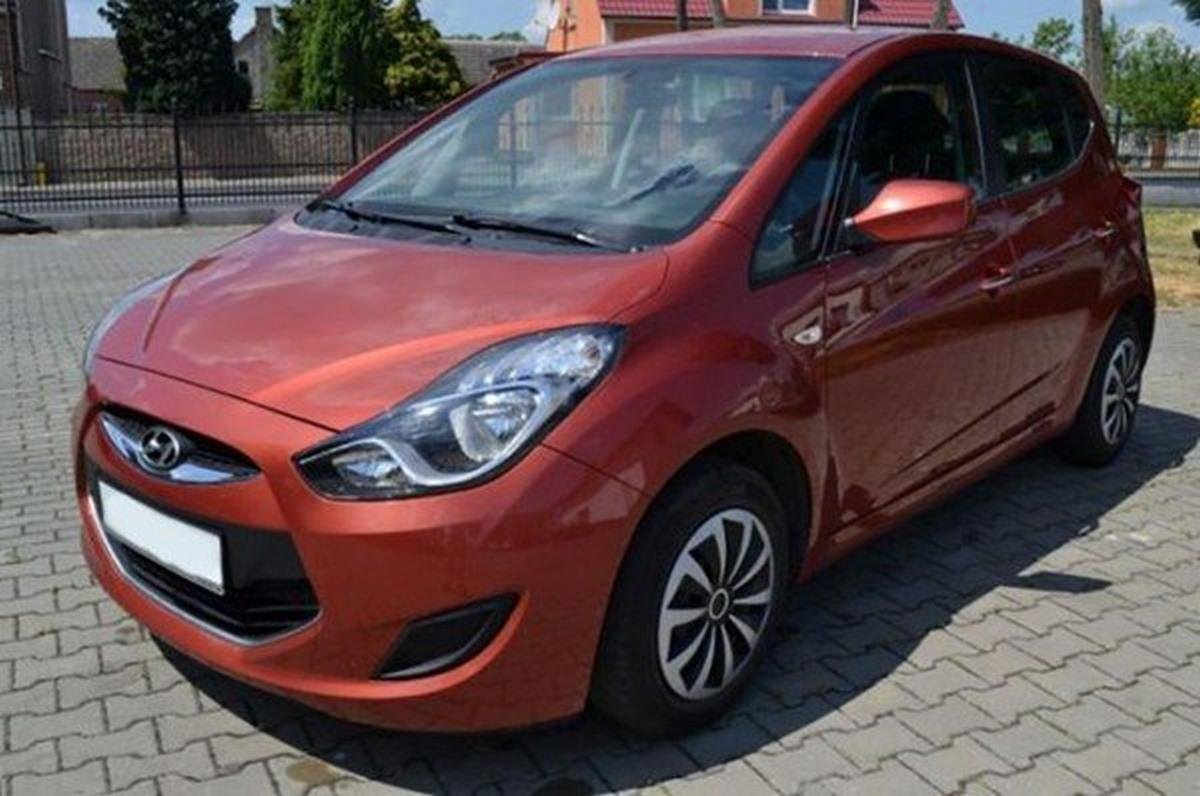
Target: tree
(178, 54)
(423, 72)
(287, 79)
(718, 13)
(345, 54)
(504, 35)
(1093, 48)
(1191, 8)
(941, 15)
(1158, 80)
(1055, 37)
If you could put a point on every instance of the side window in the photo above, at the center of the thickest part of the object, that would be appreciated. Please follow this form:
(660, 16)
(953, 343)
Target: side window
(1033, 134)
(792, 236)
(917, 123)
(1079, 114)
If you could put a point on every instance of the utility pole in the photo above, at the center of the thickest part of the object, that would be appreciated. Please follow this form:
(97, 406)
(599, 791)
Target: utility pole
(941, 15)
(14, 56)
(851, 13)
(718, 13)
(681, 18)
(1093, 49)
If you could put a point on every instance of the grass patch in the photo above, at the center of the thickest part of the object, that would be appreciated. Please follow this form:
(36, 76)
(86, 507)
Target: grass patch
(1173, 255)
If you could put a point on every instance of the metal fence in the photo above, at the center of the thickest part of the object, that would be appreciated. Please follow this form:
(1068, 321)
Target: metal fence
(89, 162)
(1154, 152)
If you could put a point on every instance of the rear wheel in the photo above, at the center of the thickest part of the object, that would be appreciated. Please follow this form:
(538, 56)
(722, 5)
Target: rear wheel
(1105, 420)
(699, 595)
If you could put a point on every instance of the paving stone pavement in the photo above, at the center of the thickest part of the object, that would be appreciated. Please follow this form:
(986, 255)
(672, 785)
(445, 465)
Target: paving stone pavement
(1039, 634)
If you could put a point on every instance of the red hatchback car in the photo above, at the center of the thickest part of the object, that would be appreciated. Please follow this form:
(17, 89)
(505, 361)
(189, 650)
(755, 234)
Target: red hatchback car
(550, 401)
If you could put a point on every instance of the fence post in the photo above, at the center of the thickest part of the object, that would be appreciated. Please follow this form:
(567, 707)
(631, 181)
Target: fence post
(180, 196)
(353, 134)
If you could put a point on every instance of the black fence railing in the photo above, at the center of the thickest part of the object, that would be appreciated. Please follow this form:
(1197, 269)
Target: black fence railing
(91, 162)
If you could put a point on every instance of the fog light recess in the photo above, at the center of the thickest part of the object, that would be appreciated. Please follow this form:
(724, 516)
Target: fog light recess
(441, 642)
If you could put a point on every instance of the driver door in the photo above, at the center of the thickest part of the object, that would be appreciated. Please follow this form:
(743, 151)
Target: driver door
(919, 353)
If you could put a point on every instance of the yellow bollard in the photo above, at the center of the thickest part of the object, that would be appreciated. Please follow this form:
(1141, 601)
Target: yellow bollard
(41, 174)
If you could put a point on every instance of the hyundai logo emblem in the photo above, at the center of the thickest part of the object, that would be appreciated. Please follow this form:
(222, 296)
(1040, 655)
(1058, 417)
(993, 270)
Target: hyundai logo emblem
(161, 450)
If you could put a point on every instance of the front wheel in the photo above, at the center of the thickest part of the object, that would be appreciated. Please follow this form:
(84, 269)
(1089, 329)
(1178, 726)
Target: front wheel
(1105, 420)
(699, 595)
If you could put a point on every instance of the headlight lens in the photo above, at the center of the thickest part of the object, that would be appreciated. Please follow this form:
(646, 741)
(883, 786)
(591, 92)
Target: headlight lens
(114, 314)
(470, 423)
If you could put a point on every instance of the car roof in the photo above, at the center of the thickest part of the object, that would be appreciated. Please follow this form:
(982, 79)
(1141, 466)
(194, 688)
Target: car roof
(827, 41)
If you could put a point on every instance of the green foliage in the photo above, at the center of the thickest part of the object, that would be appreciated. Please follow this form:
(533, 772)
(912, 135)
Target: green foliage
(178, 54)
(287, 79)
(334, 53)
(1191, 8)
(1055, 37)
(424, 72)
(504, 35)
(508, 35)
(345, 54)
(1157, 80)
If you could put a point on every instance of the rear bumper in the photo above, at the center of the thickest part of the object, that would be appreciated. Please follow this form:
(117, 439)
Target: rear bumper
(550, 531)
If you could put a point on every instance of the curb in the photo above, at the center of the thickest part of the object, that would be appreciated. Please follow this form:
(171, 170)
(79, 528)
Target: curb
(151, 218)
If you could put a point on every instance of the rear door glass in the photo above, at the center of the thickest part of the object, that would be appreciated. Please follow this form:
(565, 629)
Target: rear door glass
(1035, 138)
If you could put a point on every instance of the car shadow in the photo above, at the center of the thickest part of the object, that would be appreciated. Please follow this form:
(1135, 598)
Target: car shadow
(846, 630)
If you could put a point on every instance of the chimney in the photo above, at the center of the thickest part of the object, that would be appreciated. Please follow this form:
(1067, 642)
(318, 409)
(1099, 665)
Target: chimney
(264, 22)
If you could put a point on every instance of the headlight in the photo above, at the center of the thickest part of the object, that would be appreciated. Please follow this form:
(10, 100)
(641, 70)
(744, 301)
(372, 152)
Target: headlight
(113, 315)
(470, 423)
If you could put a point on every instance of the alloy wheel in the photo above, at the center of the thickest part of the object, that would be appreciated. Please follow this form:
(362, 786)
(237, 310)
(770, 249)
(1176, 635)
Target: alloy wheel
(716, 605)
(1122, 384)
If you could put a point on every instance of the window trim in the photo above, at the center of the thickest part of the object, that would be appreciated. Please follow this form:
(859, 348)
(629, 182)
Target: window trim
(1001, 192)
(781, 11)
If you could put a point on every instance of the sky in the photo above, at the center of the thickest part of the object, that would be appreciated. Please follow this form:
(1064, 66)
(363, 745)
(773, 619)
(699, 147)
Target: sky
(1009, 17)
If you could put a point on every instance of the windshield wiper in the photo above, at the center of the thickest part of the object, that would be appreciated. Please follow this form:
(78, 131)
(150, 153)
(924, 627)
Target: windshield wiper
(571, 235)
(355, 213)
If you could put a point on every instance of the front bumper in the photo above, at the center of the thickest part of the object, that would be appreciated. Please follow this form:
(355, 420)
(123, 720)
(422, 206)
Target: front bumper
(551, 532)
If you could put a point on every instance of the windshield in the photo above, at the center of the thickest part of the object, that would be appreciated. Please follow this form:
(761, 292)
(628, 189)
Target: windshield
(631, 150)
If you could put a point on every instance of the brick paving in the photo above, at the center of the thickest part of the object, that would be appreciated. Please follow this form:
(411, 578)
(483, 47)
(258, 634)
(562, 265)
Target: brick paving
(1038, 634)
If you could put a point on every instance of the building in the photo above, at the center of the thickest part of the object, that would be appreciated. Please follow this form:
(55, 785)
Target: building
(588, 23)
(35, 65)
(254, 54)
(481, 60)
(97, 75)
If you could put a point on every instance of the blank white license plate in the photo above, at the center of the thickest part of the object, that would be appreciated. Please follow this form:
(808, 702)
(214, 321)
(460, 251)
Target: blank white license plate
(190, 552)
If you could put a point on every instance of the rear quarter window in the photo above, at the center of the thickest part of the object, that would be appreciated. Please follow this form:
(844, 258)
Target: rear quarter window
(1038, 122)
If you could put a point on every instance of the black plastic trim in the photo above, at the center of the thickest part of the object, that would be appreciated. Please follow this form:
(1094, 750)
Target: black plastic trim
(483, 621)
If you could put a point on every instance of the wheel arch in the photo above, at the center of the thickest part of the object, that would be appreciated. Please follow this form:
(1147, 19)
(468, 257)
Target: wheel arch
(1140, 309)
(776, 460)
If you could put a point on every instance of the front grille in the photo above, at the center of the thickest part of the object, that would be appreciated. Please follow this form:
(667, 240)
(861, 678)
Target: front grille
(266, 591)
(204, 460)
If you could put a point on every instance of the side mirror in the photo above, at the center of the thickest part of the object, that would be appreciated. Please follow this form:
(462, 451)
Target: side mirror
(914, 210)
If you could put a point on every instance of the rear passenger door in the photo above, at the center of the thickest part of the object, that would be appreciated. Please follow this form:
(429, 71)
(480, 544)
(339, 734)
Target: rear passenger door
(1060, 191)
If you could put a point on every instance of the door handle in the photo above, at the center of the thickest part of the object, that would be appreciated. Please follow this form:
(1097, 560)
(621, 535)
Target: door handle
(997, 277)
(1105, 231)
(810, 336)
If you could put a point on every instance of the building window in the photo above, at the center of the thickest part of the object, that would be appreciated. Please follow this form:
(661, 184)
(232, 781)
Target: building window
(787, 6)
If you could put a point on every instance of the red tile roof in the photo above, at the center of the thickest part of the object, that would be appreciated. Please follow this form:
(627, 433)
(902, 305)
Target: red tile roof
(906, 13)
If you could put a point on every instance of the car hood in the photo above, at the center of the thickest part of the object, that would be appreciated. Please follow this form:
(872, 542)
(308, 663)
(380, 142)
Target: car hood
(334, 329)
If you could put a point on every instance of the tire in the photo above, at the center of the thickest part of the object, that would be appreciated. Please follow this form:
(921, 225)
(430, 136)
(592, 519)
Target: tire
(1106, 418)
(676, 547)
